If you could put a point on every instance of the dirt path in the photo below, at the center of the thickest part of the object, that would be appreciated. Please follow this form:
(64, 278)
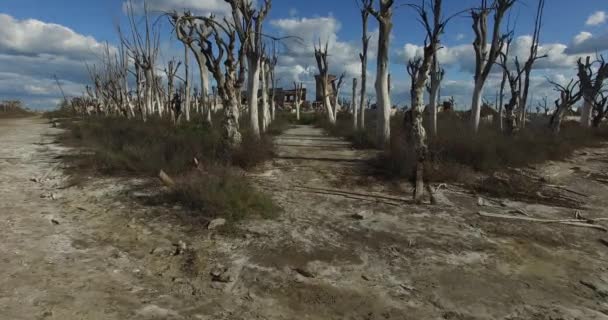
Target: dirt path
(345, 247)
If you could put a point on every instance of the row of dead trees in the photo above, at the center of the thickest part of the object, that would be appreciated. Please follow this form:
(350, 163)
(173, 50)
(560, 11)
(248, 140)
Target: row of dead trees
(491, 48)
(232, 49)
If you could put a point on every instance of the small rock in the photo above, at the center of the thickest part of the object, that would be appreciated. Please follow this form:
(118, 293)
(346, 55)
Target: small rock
(35, 180)
(220, 274)
(180, 247)
(481, 202)
(216, 223)
(304, 272)
(362, 215)
(364, 277)
(163, 251)
(55, 222)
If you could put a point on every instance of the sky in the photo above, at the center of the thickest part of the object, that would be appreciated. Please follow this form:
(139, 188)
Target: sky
(41, 40)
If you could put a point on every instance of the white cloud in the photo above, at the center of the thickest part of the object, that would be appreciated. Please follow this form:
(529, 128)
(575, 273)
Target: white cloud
(34, 38)
(297, 62)
(460, 36)
(588, 43)
(582, 37)
(32, 51)
(596, 18)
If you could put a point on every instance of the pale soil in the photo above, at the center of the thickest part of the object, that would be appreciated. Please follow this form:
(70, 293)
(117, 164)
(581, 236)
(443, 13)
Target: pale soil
(108, 255)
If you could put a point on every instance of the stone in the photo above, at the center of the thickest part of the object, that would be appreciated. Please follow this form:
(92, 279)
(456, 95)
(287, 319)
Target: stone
(216, 223)
(362, 215)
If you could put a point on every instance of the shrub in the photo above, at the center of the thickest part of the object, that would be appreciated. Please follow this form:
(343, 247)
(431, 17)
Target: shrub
(120, 145)
(219, 192)
(456, 146)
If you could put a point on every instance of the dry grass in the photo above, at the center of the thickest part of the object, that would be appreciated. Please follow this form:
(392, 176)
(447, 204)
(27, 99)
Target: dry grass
(220, 192)
(119, 146)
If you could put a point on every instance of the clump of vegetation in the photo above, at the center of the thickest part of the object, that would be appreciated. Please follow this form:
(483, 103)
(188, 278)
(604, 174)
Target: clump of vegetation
(220, 192)
(120, 146)
(457, 151)
(13, 109)
(361, 139)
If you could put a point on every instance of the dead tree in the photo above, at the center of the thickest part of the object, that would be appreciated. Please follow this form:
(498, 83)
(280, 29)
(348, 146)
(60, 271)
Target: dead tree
(298, 88)
(143, 50)
(514, 79)
(353, 104)
(363, 57)
(514, 104)
(532, 58)
(337, 86)
(384, 15)
(592, 84)
(569, 95)
(264, 85)
(248, 23)
(171, 72)
(272, 79)
(484, 59)
(321, 57)
(192, 33)
(419, 72)
(222, 64)
(436, 76)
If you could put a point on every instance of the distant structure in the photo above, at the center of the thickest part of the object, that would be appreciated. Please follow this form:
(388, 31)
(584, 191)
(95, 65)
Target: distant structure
(282, 97)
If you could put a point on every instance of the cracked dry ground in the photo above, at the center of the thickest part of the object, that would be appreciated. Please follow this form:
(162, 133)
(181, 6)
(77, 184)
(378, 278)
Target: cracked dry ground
(345, 247)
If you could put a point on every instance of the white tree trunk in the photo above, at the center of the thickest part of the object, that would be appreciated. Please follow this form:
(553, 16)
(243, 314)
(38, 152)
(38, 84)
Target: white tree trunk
(265, 105)
(149, 94)
(253, 85)
(433, 106)
(586, 113)
(383, 102)
(328, 107)
(186, 106)
(354, 104)
(476, 105)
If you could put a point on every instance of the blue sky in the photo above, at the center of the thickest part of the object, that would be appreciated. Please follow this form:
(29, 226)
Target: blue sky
(32, 51)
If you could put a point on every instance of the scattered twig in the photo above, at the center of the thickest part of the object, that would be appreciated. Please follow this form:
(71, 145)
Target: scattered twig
(572, 222)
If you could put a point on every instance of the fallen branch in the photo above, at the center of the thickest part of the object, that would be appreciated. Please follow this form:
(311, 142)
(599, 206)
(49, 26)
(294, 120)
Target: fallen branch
(566, 189)
(571, 222)
(166, 180)
(362, 194)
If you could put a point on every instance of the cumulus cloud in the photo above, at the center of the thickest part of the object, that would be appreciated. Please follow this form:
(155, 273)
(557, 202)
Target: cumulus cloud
(33, 51)
(596, 18)
(35, 38)
(297, 62)
(585, 42)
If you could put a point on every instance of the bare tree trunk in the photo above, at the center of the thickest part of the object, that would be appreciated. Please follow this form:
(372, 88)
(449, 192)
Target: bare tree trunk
(419, 140)
(354, 104)
(383, 98)
(586, 113)
(476, 104)
(500, 100)
(265, 105)
(436, 76)
(253, 85)
(298, 90)
(187, 81)
(484, 58)
(363, 57)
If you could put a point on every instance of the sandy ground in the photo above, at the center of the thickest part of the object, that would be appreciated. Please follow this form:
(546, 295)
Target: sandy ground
(346, 246)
